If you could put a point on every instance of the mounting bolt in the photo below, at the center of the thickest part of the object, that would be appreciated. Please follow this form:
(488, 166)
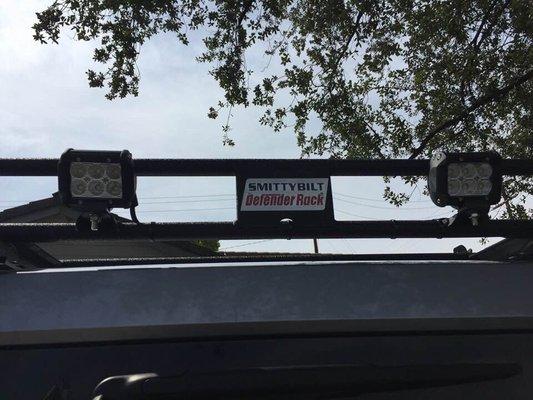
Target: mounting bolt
(286, 221)
(95, 220)
(287, 224)
(446, 221)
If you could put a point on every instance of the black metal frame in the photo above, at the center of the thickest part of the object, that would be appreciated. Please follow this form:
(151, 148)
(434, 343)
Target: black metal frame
(439, 228)
(231, 167)
(260, 258)
(46, 232)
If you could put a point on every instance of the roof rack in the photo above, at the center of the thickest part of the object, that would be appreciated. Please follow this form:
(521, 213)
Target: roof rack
(254, 223)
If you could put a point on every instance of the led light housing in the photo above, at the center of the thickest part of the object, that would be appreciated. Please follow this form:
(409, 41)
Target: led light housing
(96, 180)
(465, 179)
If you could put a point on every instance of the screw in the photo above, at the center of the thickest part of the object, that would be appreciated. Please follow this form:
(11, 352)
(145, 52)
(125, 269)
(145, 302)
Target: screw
(94, 222)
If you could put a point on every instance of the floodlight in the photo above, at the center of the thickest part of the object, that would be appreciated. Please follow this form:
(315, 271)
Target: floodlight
(96, 181)
(470, 181)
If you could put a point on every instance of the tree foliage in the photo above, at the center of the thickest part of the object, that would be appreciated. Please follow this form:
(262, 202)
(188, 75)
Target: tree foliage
(213, 245)
(385, 78)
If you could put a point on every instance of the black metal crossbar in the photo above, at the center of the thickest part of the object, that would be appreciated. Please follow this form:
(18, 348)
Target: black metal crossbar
(261, 258)
(43, 232)
(231, 167)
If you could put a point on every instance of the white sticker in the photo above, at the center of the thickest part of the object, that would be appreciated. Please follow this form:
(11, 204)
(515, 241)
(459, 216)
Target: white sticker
(285, 194)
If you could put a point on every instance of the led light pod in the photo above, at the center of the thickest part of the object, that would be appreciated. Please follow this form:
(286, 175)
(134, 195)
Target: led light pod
(463, 180)
(95, 181)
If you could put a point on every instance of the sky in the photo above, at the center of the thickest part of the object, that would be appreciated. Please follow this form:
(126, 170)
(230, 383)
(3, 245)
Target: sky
(46, 106)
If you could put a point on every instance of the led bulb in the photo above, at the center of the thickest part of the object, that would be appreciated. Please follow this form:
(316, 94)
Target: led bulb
(484, 187)
(113, 171)
(454, 187)
(114, 188)
(468, 187)
(78, 187)
(468, 170)
(96, 171)
(96, 188)
(484, 170)
(454, 171)
(78, 170)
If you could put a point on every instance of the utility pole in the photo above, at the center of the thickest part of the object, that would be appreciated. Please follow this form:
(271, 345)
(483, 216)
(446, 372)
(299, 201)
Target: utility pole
(315, 244)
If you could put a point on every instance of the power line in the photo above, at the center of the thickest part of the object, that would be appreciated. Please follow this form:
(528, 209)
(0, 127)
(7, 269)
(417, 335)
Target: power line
(187, 210)
(246, 244)
(378, 219)
(144, 198)
(187, 197)
(375, 199)
(384, 208)
(355, 215)
(186, 201)
(229, 195)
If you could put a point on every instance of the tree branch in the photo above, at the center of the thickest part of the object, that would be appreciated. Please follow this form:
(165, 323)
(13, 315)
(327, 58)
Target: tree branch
(346, 46)
(488, 98)
(492, 21)
(473, 43)
(481, 34)
(246, 8)
(507, 202)
(371, 129)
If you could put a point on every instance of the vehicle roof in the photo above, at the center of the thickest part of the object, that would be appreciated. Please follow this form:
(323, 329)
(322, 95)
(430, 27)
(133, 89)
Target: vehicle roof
(246, 300)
